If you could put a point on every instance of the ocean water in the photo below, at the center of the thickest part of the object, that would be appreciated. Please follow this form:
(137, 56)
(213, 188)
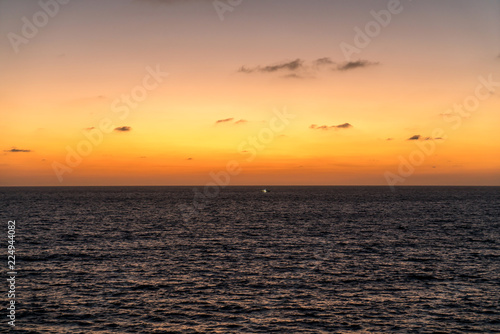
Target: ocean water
(294, 260)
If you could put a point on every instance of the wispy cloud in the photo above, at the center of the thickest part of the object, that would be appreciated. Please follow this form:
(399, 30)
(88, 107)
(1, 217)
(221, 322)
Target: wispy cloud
(419, 137)
(325, 61)
(344, 126)
(17, 150)
(351, 65)
(224, 120)
(283, 66)
(290, 66)
(300, 69)
(123, 129)
(295, 76)
(232, 121)
(244, 69)
(330, 127)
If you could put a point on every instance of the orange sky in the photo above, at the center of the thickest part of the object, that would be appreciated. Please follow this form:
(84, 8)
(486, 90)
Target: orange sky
(93, 81)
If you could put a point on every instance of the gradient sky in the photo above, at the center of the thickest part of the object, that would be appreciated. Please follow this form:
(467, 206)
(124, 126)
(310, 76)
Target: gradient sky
(59, 84)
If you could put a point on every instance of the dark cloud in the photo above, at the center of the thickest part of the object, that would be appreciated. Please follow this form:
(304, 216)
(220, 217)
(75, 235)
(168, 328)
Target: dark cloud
(389, 139)
(241, 121)
(17, 150)
(419, 137)
(123, 129)
(351, 65)
(344, 126)
(224, 120)
(299, 69)
(91, 128)
(189, 159)
(326, 127)
(289, 66)
(323, 61)
(294, 65)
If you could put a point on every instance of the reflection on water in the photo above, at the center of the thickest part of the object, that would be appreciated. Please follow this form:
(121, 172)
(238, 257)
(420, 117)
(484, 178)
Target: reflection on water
(308, 260)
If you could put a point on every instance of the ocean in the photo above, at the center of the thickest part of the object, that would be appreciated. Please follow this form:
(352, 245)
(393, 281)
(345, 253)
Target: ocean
(292, 260)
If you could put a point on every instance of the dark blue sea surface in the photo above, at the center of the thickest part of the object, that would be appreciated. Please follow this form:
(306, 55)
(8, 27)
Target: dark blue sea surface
(293, 260)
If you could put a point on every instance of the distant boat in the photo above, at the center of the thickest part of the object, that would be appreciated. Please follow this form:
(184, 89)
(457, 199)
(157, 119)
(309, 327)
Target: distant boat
(265, 190)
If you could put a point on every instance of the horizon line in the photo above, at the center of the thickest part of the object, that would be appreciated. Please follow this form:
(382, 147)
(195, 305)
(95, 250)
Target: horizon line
(243, 185)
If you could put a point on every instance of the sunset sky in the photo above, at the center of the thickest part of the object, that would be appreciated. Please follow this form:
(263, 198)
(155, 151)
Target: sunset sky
(355, 117)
